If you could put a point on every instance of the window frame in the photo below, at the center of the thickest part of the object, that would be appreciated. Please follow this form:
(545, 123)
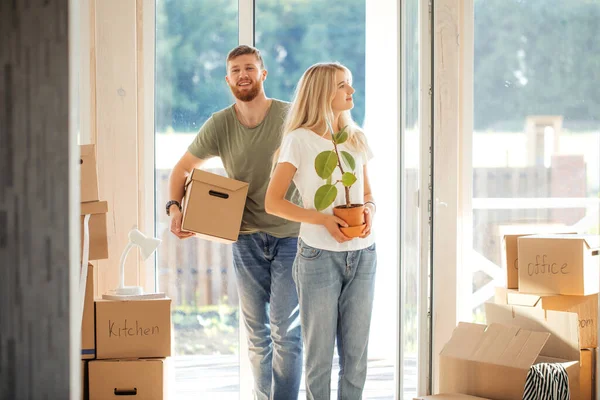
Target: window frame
(452, 155)
(246, 33)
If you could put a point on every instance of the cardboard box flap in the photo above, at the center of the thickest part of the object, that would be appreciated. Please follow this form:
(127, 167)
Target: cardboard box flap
(513, 297)
(591, 241)
(94, 207)
(464, 340)
(510, 346)
(231, 185)
(563, 342)
(496, 344)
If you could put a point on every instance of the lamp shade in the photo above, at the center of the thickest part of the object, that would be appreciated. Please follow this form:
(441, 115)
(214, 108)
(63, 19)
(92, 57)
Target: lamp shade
(147, 245)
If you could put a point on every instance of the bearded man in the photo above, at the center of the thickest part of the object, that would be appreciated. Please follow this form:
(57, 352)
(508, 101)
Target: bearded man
(245, 136)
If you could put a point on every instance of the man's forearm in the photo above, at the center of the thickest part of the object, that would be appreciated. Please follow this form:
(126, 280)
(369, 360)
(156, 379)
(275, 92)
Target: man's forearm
(177, 183)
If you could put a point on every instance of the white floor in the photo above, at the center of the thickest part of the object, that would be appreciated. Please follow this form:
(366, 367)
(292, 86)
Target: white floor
(217, 377)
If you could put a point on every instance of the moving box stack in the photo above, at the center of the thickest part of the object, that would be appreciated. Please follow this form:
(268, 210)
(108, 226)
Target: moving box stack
(125, 344)
(97, 249)
(133, 346)
(548, 313)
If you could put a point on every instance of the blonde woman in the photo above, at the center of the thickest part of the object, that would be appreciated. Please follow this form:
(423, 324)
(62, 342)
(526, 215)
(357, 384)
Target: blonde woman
(334, 275)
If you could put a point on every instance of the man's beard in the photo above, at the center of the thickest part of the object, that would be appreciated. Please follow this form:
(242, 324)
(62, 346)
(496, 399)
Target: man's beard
(246, 95)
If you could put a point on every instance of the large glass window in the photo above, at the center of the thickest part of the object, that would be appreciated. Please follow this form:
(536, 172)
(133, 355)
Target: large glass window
(536, 139)
(295, 35)
(192, 42)
(412, 336)
(292, 38)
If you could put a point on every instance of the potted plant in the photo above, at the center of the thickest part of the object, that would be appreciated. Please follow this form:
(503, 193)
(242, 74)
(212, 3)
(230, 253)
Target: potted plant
(325, 164)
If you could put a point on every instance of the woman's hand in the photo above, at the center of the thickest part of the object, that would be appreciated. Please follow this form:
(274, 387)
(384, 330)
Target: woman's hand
(369, 214)
(333, 223)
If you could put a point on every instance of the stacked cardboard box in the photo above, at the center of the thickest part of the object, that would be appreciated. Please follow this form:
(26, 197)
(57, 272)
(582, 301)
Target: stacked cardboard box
(547, 313)
(125, 344)
(91, 205)
(133, 346)
(556, 291)
(98, 250)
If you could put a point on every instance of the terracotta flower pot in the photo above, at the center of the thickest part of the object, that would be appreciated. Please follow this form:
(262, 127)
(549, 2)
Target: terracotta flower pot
(354, 217)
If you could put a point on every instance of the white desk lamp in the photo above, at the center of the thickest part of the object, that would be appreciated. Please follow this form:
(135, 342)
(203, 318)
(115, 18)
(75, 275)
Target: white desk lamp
(147, 247)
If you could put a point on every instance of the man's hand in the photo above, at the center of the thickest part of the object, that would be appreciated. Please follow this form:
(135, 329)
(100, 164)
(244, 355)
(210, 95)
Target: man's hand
(176, 218)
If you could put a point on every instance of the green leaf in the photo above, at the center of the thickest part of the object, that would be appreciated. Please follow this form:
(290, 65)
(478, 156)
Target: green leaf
(328, 180)
(325, 196)
(348, 179)
(341, 136)
(325, 164)
(349, 160)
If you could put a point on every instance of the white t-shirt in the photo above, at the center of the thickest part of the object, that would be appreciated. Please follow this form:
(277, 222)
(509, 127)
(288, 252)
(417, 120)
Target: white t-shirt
(299, 148)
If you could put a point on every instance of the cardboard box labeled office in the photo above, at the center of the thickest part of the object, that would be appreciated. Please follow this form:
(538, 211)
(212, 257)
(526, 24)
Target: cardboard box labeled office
(88, 331)
(89, 173)
(97, 228)
(559, 264)
(450, 396)
(213, 206)
(562, 344)
(493, 361)
(133, 328)
(586, 308)
(510, 260)
(509, 250)
(140, 379)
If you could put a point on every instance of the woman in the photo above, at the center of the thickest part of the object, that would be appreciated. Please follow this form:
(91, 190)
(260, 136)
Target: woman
(334, 275)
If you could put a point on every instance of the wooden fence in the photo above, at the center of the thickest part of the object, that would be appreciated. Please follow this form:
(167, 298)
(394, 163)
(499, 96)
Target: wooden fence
(196, 272)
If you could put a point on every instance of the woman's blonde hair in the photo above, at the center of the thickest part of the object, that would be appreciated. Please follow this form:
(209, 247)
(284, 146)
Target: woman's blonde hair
(311, 106)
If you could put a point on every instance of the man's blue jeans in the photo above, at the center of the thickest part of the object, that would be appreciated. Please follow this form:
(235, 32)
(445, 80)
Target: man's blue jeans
(263, 266)
(336, 292)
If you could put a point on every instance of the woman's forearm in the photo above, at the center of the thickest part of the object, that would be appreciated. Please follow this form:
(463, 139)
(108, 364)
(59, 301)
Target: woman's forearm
(287, 210)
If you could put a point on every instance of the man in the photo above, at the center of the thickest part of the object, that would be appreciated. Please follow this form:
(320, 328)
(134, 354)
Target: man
(245, 136)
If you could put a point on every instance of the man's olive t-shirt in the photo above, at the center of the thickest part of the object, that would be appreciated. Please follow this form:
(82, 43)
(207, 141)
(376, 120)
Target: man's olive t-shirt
(247, 155)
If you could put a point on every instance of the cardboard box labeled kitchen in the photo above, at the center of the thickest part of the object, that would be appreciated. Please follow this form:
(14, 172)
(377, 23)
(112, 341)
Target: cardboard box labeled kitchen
(89, 173)
(451, 396)
(97, 228)
(562, 344)
(133, 328)
(213, 206)
(559, 264)
(88, 331)
(493, 361)
(141, 379)
(586, 308)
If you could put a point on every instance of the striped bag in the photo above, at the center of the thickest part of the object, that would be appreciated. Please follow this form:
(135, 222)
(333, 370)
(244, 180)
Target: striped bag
(546, 382)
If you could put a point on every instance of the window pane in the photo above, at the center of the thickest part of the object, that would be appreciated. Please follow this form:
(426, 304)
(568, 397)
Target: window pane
(192, 42)
(536, 139)
(410, 211)
(292, 37)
